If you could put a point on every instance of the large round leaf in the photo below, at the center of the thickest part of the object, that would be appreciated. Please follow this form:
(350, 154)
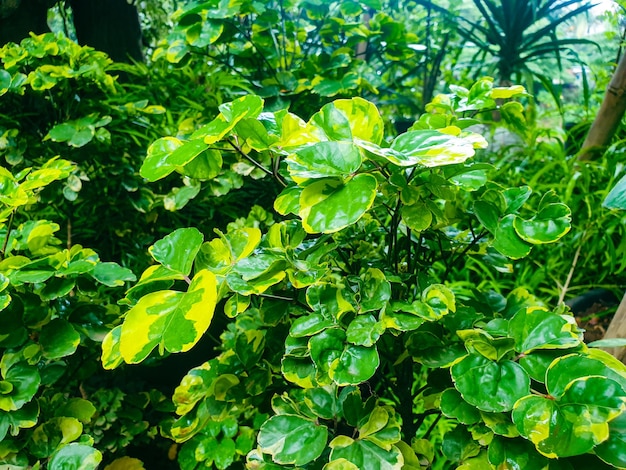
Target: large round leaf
(364, 118)
(324, 159)
(550, 224)
(613, 450)
(488, 385)
(538, 329)
(330, 205)
(453, 406)
(575, 424)
(75, 456)
(292, 440)
(355, 365)
(429, 148)
(173, 320)
(564, 370)
(515, 454)
(58, 339)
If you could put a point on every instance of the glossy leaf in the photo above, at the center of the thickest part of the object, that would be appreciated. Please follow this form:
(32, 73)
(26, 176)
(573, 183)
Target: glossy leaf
(322, 203)
(458, 445)
(429, 148)
(58, 339)
(613, 450)
(174, 321)
(365, 454)
(324, 159)
(574, 424)
(539, 329)
(75, 456)
(616, 199)
(453, 406)
(364, 330)
(507, 240)
(488, 385)
(24, 382)
(515, 454)
(292, 440)
(364, 119)
(178, 250)
(564, 370)
(550, 224)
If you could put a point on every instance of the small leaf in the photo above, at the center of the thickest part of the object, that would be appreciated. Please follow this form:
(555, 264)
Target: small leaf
(58, 339)
(75, 456)
(430, 149)
(178, 250)
(507, 241)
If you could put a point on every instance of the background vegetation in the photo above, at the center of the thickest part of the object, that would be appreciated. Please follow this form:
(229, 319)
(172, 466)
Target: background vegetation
(304, 234)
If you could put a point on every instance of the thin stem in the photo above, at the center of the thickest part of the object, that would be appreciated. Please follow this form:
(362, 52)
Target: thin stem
(254, 162)
(570, 274)
(6, 238)
(432, 427)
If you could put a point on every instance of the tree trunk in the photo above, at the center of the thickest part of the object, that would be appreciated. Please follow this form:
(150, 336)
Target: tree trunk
(18, 18)
(617, 329)
(111, 26)
(609, 116)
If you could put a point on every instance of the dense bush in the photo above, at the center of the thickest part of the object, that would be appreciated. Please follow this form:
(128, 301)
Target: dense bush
(323, 285)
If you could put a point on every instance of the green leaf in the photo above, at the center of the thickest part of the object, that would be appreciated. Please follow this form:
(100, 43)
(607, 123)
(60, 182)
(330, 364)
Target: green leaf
(168, 154)
(613, 450)
(112, 274)
(550, 224)
(24, 418)
(616, 199)
(174, 321)
(576, 423)
(364, 119)
(54, 433)
(292, 440)
(58, 339)
(365, 454)
(355, 364)
(608, 343)
(515, 454)
(324, 206)
(488, 385)
(538, 329)
(206, 166)
(507, 241)
(324, 159)
(374, 290)
(178, 250)
(248, 106)
(453, 406)
(417, 217)
(75, 456)
(458, 444)
(309, 325)
(24, 381)
(566, 369)
(364, 330)
(79, 408)
(429, 148)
